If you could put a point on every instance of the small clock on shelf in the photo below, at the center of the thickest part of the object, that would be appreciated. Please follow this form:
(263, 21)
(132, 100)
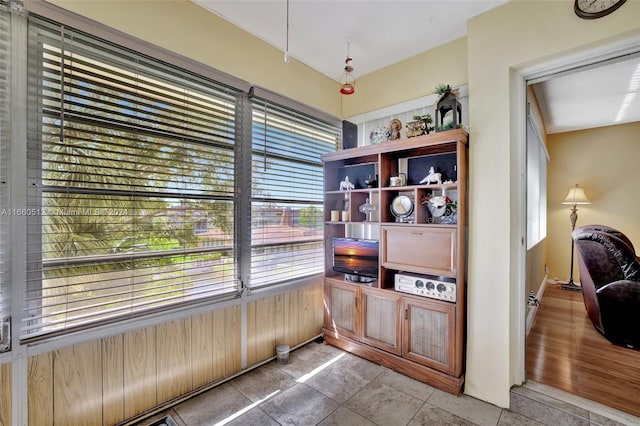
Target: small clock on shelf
(592, 9)
(402, 208)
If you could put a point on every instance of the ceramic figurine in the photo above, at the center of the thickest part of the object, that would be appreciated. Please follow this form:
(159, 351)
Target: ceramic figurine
(432, 177)
(346, 184)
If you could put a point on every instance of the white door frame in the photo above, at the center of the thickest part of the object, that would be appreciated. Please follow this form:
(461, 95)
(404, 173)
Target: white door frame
(520, 78)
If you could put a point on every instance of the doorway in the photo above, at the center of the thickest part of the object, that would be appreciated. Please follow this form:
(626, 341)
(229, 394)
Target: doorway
(563, 361)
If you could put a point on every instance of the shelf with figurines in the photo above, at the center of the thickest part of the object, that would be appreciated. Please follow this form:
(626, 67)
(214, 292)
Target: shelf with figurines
(442, 208)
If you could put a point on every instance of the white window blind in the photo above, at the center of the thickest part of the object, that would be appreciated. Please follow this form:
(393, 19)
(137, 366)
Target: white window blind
(287, 185)
(537, 159)
(5, 143)
(130, 185)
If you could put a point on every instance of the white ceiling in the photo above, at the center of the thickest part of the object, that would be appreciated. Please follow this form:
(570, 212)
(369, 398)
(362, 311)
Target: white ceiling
(379, 32)
(594, 96)
(383, 32)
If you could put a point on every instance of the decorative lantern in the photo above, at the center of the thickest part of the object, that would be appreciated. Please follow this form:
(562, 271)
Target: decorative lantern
(347, 81)
(448, 102)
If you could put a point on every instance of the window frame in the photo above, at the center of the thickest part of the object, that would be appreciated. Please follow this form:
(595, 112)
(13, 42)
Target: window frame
(242, 204)
(537, 159)
(277, 202)
(6, 93)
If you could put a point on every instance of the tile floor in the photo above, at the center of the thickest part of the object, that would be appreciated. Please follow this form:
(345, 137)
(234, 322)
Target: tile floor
(323, 385)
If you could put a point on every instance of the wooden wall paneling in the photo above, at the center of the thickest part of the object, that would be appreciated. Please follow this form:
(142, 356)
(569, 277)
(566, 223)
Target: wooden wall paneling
(279, 318)
(260, 329)
(139, 371)
(291, 330)
(266, 327)
(5, 394)
(310, 311)
(77, 384)
(122, 376)
(303, 312)
(173, 355)
(202, 350)
(219, 335)
(233, 355)
(319, 308)
(40, 389)
(252, 334)
(113, 380)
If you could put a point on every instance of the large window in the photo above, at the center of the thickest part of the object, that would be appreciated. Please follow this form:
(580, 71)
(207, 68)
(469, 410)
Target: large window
(150, 187)
(537, 159)
(5, 143)
(287, 185)
(131, 184)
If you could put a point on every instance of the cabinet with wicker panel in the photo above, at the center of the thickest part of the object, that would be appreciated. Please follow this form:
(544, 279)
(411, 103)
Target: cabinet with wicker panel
(418, 336)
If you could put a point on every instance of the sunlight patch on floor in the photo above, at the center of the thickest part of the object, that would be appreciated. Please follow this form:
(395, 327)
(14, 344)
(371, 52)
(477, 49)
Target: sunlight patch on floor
(244, 410)
(315, 371)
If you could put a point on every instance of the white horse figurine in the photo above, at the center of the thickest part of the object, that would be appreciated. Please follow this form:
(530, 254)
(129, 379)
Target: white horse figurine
(432, 177)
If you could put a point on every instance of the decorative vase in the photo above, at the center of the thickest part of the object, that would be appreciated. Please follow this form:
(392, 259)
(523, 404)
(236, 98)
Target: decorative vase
(442, 214)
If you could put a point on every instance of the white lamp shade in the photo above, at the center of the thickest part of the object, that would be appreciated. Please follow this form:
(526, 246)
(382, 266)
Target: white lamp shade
(576, 195)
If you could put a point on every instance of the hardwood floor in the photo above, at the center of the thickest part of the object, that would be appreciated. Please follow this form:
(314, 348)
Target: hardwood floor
(565, 351)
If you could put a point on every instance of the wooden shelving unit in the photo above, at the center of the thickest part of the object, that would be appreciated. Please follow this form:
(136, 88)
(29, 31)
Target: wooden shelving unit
(415, 335)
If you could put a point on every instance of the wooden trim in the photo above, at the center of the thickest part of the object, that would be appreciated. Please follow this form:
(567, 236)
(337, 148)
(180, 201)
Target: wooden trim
(130, 375)
(445, 382)
(441, 138)
(437, 335)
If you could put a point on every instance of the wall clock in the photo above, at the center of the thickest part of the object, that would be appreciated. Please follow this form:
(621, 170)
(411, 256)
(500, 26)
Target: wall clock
(592, 9)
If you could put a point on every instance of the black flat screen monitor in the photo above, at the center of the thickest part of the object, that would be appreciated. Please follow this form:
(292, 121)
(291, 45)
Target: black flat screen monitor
(355, 257)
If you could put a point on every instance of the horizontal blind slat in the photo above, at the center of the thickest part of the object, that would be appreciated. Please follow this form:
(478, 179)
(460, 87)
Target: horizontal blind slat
(134, 164)
(5, 159)
(287, 217)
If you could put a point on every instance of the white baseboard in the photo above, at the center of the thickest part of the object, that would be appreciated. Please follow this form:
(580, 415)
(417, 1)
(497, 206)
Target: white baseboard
(532, 310)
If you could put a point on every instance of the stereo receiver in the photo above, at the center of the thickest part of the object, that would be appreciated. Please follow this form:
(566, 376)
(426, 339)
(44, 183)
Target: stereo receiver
(441, 288)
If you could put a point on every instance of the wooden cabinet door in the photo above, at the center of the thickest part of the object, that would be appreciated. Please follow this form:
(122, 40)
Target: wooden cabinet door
(381, 319)
(429, 333)
(341, 309)
(426, 250)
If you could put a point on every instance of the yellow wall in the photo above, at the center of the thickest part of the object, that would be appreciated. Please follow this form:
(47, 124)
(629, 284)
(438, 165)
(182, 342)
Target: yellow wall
(604, 161)
(409, 79)
(518, 34)
(186, 28)
(514, 36)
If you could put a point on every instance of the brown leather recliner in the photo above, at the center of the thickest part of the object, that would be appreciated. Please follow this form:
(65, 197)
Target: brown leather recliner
(610, 278)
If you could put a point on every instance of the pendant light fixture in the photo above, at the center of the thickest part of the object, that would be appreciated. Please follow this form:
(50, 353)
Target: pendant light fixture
(347, 81)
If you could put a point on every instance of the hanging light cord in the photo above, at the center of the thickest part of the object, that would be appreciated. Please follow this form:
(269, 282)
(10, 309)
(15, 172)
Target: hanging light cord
(286, 51)
(62, 83)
